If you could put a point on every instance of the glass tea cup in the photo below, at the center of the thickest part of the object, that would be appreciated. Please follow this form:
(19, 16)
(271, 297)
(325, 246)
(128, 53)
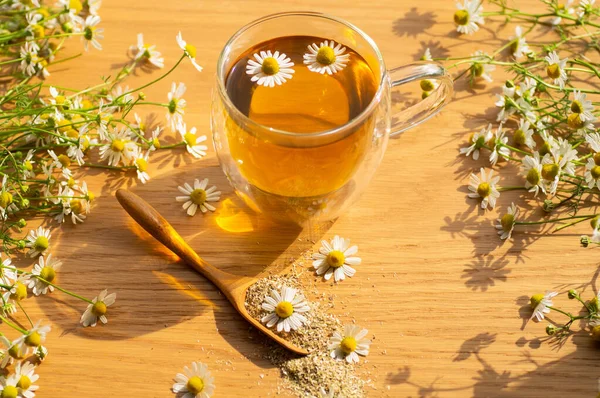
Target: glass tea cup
(298, 177)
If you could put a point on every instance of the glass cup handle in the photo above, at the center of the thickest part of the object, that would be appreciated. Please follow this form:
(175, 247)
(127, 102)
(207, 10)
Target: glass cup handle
(423, 110)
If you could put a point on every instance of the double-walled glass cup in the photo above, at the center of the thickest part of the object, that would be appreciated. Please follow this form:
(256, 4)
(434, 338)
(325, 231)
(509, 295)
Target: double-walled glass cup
(298, 177)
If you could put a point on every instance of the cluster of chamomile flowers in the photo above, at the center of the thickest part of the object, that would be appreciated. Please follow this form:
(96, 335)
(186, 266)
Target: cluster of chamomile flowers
(269, 69)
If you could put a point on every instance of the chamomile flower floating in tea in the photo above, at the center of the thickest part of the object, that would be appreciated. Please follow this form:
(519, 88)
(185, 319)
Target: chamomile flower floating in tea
(468, 17)
(268, 69)
(38, 241)
(198, 197)
(556, 69)
(176, 105)
(195, 382)
(147, 52)
(285, 309)
(43, 272)
(192, 142)
(190, 51)
(97, 309)
(541, 304)
(26, 377)
(506, 224)
(32, 338)
(336, 258)
(349, 345)
(328, 57)
(484, 187)
(91, 33)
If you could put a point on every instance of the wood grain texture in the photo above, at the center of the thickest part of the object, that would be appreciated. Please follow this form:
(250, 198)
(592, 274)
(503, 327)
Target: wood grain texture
(440, 294)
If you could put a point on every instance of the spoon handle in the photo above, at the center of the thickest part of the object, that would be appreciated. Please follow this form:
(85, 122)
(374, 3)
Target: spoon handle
(156, 225)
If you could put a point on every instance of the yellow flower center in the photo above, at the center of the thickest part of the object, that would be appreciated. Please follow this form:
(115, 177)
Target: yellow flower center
(27, 165)
(576, 107)
(9, 392)
(284, 309)
(484, 190)
(335, 258)
(48, 273)
(60, 99)
(20, 292)
(535, 300)
(519, 138)
(117, 145)
(33, 339)
(64, 125)
(574, 121)
(553, 71)
(597, 158)
(41, 243)
(70, 182)
(141, 164)
(90, 196)
(461, 17)
(72, 133)
(38, 31)
(325, 55)
(595, 172)
(156, 143)
(99, 308)
(426, 85)
(75, 206)
(507, 221)
(348, 344)
(545, 148)
(594, 222)
(190, 139)
(15, 352)
(198, 196)
(270, 66)
(64, 160)
(191, 50)
(24, 382)
(75, 5)
(86, 104)
(6, 199)
(533, 176)
(195, 385)
(550, 171)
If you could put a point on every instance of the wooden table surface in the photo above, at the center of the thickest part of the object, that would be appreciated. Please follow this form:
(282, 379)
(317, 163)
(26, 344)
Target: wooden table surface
(445, 300)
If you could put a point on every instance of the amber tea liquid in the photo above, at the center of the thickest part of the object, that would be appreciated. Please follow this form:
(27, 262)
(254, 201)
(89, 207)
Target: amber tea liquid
(309, 102)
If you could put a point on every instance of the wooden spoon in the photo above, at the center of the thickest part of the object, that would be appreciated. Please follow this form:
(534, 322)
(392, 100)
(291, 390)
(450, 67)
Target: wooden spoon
(233, 287)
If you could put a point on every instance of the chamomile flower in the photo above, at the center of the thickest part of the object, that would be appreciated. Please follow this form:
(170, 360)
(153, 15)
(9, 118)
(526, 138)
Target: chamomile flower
(91, 33)
(8, 387)
(10, 352)
(349, 345)
(97, 309)
(336, 258)
(592, 174)
(478, 141)
(468, 17)
(93, 6)
(193, 142)
(44, 271)
(585, 7)
(426, 55)
(26, 377)
(582, 106)
(119, 148)
(523, 135)
(506, 223)
(38, 241)
(29, 58)
(61, 161)
(189, 50)
(593, 140)
(195, 382)
(328, 57)
(141, 167)
(480, 69)
(176, 105)
(541, 303)
(17, 292)
(33, 338)
(507, 109)
(556, 69)
(8, 272)
(562, 8)
(484, 187)
(532, 171)
(268, 69)
(198, 196)
(526, 110)
(154, 142)
(557, 162)
(519, 45)
(285, 309)
(147, 52)
(499, 150)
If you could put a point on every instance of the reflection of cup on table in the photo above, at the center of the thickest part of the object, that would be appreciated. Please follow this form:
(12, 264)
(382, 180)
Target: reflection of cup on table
(301, 113)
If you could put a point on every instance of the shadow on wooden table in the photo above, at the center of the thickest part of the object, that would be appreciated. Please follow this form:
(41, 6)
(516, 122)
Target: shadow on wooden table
(155, 289)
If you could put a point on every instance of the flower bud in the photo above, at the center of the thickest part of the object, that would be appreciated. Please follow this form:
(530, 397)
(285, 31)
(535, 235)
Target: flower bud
(25, 203)
(548, 206)
(573, 294)
(585, 240)
(142, 95)
(551, 329)
(22, 223)
(21, 244)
